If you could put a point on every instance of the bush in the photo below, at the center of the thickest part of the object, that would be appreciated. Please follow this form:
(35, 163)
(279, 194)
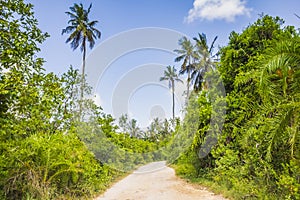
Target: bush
(45, 166)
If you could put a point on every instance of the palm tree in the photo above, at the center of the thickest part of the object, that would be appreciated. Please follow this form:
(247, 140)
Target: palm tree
(279, 89)
(187, 54)
(154, 129)
(204, 61)
(81, 31)
(134, 129)
(130, 126)
(171, 76)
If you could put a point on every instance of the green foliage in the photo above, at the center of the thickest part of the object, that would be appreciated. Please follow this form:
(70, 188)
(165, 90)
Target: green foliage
(48, 131)
(257, 155)
(19, 35)
(42, 117)
(243, 50)
(120, 151)
(188, 165)
(45, 166)
(289, 180)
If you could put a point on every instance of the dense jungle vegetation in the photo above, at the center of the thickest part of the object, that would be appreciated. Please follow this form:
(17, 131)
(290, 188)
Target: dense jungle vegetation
(257, 154)
(42, 153)
(240, 132)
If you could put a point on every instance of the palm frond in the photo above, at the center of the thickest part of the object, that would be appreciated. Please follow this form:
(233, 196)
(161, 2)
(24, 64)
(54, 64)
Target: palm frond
(179, 58)
(163, 79)
(71, 15)
(179, 51)
(245, 78)
(80, 27)
(68, 29)
(279, 126)
(89, 9)
(75, 39)
(212, 45)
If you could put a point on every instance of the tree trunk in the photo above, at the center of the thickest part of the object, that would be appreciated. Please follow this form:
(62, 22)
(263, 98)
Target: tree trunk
(83, 77)
(83, 69)
(188, 86)
(173, 92)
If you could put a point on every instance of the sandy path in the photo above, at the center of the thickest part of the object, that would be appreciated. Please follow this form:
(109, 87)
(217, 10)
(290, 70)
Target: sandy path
(155, 181)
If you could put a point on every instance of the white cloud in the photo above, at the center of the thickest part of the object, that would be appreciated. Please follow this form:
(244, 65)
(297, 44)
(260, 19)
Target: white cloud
(217, 9)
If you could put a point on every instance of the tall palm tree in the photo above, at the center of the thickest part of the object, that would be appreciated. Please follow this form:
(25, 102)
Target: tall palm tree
(82, 31)
(204, 61)
(171, 76)
(187, 54)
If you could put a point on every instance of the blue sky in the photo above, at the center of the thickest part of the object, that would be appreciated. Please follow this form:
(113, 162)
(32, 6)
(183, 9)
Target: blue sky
(189, 17)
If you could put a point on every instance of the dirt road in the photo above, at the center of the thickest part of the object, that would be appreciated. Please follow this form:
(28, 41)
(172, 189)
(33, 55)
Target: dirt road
(156, 181)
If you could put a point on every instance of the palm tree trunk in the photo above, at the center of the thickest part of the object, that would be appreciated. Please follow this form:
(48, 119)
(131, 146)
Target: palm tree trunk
(188, 86)
(188, 81)
(82, 76)
(173, 92)
(83, 69)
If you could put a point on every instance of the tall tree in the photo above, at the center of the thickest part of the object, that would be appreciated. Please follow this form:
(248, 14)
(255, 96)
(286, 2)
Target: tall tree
(186, 54)
(82, 31)
(204, 60)
(171, 76)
